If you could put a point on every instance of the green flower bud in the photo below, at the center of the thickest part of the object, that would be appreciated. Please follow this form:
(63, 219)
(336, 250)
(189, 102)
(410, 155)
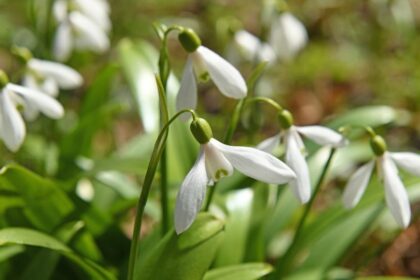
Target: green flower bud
(378, 145)
(23, 54)
(285, 119)
(189, 40)
(4, 80)
(201, 130)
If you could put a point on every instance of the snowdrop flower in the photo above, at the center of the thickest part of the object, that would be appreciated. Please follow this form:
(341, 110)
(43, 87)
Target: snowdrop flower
(82, 25)
(252, 48)
(217, 160)
(287, 36)
(386, 163)
(204, 63)
(295, 150)
(12, 127)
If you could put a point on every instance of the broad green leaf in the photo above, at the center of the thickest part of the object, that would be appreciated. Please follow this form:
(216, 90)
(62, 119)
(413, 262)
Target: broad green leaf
(247, 271)
(185, 256)
(385, 278)
(7, 252)
(29, 237)
(238, 206)
(370, 116)
(45, 204)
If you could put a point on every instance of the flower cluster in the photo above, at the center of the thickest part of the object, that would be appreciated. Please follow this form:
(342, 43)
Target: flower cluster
(82, 25)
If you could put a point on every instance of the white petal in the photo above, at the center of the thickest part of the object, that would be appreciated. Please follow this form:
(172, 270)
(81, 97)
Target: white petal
(322, 135)
(89, 35)
(96, 11)
(60, 10)
(269, 144)
(295, 158)
(13, 128)
(395, 193)
(357, 184)
(191, 195)
(217, 166)
(256, 164)
(66, 77)
(227, 79)
(50, 87)
(407, 161)
(44, 103)
(187, 94)
(288, 36)
(248, 44)
(63, 41)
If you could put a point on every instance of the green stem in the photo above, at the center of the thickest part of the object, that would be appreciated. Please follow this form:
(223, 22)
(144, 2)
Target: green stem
(283, 262)
(147, 184)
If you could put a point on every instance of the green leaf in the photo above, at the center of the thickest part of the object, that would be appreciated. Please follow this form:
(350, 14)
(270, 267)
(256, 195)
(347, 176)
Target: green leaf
(239, 206)
(370, 116)
(6, 252)
(385, 278)
(248, 271)
(185, 256)
(29, 237)
(45, 204)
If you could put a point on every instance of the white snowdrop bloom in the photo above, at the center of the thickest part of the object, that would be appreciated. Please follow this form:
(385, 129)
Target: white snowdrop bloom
(202, 63)
(217, 160)
(252, 48)
(82, 25)
(12, 127)
(49, 77)
(287, 36)
(395, 194)
(295, 149)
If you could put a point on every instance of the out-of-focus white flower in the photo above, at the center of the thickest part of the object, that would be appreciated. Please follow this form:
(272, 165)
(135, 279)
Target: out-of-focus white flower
(287, 36)
(82, 25)
(252, 48)
(12, 127)
(295, 150)
(217, 160)
(204, 63)
(395, 194)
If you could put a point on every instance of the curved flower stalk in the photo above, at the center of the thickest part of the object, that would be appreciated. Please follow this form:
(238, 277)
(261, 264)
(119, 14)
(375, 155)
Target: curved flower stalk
(386, 163)
(202, 62)
(287, 36)
(295, 149)
(82, 25)
(217, 160)
(12, 127)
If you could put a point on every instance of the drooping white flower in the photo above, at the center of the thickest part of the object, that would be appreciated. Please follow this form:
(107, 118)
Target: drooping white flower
(12, 127)
(295, 150)
(287, 35)
(202, 62)
(217, 160)
(252, 48)
(395, 194)
(82, 25)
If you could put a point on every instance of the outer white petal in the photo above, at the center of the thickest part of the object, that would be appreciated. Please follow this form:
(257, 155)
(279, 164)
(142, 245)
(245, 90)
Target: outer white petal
(50, 87)
(217, 166)
(63, 41)
(256, 164)
(191, 195)
(97, 12)
(269, 144)
(66, 77)
(288, 36)
(44, 103)
(295, 158)
(407, 161)
(248, 44)
(89, 34)
(227, 79)
(322, 135)
(13, 128)
(187, 94)
(357, 184)
(60, 10)
(395, 193)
